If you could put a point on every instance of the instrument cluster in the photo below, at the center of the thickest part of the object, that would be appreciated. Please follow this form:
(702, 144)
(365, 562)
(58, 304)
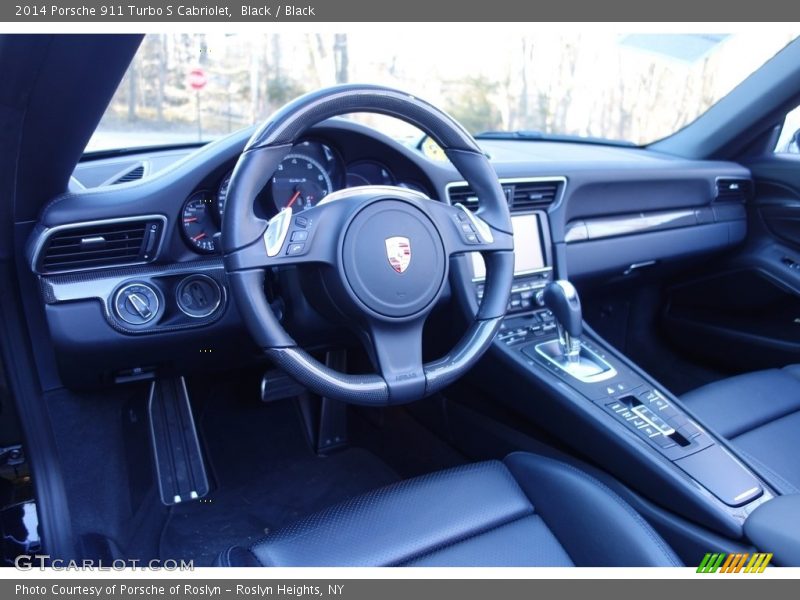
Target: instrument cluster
(311, 171)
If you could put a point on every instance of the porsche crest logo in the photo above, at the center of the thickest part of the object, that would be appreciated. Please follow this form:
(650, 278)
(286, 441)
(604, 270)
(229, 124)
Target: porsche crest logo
(398, 251)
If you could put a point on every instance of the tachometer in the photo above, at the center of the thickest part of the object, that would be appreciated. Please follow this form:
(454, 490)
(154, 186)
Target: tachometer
(369, 172)
(198, 223)
(300, 182)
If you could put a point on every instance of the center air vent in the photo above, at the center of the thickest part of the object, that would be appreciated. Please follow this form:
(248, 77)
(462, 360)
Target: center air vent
(534, 194)
(521, 195)
(100, 244)
(734, 190)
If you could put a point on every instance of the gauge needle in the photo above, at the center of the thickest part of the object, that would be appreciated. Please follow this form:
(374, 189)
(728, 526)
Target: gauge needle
(295, 197)
(190, 219)
(199, 236)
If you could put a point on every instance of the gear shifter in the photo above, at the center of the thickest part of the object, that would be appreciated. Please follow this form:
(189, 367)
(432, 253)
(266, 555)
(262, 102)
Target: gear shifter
(568, 352)
(562, 299)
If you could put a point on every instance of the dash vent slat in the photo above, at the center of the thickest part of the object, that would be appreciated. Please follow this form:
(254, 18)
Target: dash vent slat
(104, 244)
(521, 195)
(734, 190)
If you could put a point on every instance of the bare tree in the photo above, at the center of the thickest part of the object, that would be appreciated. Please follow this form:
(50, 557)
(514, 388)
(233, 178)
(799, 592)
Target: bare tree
(163, 62)
(132, 96)
(527, 59)
(341, 59)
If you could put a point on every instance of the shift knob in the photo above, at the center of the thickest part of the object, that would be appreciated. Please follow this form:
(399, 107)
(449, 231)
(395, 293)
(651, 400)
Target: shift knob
(562, 299)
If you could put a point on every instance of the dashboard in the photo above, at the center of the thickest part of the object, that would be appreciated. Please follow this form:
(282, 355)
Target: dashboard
(131, 277)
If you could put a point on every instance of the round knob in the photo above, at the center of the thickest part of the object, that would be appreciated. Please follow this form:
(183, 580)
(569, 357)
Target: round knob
(136, 303)
(198, 296)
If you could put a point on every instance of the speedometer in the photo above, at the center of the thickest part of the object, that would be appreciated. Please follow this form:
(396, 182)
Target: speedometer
(300, 182)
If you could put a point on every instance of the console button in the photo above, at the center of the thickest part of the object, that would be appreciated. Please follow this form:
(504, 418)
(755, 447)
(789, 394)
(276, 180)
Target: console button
(295, 249)
(658, 404)
(650, 431)
(668, 412)
(622, 386)
(653, 419)
(299, 236)
(689, 430)
(677, 421)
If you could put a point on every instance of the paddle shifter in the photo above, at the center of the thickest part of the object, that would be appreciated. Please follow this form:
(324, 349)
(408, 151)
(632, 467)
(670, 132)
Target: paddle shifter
(562, 299)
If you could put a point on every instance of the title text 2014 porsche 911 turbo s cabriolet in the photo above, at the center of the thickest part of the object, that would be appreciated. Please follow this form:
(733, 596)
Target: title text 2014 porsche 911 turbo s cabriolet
(532, 308)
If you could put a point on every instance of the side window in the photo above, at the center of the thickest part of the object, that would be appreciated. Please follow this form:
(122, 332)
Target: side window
(789, 140)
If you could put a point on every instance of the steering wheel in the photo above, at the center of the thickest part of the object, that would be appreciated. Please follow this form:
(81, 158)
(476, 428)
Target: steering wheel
(383, 250)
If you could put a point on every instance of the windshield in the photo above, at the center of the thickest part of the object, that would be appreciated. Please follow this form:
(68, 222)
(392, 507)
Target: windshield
(185, 88)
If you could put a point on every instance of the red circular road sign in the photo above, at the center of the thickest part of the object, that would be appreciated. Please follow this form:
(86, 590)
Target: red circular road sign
(197, 79)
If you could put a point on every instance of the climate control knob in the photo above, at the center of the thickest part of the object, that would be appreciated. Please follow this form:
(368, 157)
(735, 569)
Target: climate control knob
(136, 303)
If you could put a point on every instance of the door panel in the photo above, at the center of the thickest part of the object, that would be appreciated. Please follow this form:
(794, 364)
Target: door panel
(746, 315)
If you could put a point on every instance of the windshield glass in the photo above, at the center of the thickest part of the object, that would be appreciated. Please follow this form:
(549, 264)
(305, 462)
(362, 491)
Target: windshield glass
(185, 88)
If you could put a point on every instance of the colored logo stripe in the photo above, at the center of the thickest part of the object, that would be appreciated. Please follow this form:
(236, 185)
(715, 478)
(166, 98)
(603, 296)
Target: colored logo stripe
(733, 563)
(758, 563)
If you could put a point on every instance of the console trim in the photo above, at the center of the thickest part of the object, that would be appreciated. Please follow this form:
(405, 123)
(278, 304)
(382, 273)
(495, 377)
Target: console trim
(608, 373)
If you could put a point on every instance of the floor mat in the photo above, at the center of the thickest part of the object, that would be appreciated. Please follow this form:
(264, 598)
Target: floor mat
(266, 476)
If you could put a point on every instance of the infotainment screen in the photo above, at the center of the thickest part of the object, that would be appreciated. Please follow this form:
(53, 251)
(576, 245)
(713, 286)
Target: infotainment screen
(528, 252)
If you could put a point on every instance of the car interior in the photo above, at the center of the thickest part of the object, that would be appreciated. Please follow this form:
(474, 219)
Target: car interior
(512, 351)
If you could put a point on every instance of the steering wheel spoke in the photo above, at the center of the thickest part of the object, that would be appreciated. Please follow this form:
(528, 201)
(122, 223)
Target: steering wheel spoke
(463, 231)
(397, 351)
(292, 239)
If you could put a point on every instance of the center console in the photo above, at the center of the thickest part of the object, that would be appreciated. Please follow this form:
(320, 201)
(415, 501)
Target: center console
(533, 271)
(603, 403)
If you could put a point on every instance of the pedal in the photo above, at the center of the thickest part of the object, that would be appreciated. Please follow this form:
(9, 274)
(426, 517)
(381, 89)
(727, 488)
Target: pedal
(277, 385)
(180, 469)
(325, 419)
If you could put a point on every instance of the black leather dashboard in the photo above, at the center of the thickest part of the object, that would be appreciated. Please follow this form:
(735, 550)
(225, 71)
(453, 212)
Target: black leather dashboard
(620, 207)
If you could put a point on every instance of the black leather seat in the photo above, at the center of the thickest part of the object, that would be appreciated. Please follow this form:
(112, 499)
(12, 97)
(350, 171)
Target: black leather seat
(759, 413)
(525, 511)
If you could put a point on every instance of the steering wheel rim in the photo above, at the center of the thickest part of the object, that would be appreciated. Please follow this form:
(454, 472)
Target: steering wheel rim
(387, 300)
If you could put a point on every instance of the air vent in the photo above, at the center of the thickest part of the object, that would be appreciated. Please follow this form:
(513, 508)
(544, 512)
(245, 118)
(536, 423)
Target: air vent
(132, 175)
(734, 190)
(521, 195)
(100, 244)
(463, 194)
(534, 194)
